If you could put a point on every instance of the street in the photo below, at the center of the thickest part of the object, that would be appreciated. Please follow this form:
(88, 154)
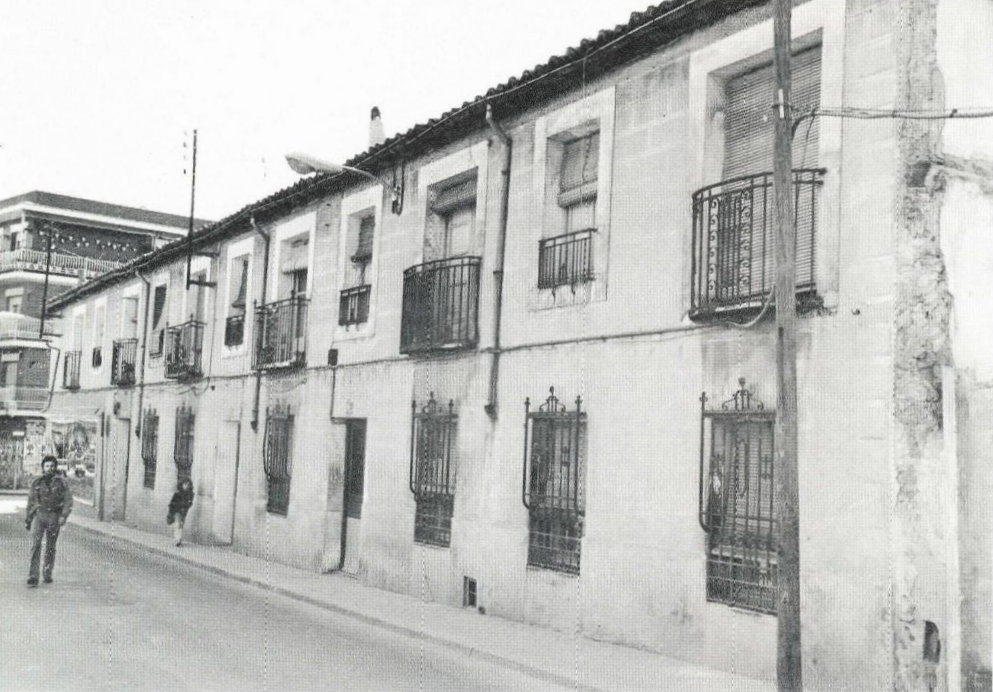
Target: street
(119, 619)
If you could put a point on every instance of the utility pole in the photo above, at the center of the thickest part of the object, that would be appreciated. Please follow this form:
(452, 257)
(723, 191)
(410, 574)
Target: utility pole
(44, 290)
(788, 659)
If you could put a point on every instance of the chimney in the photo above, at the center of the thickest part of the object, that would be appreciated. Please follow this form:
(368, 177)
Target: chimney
(376, 134)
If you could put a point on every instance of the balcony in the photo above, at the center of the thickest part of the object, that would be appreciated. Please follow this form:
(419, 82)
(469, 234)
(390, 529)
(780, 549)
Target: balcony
(234, 330)
(566, 260)
(123, 359)
(23, 397)
(281, 334)
(70, 371)
(734, 243)
(62, 264)
(353, 306)
(440, 305)
(184, 350)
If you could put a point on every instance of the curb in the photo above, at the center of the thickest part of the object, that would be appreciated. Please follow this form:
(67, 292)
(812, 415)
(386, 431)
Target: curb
(353, 614)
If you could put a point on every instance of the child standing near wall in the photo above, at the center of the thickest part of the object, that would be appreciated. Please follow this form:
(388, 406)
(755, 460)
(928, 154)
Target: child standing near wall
(179, 505)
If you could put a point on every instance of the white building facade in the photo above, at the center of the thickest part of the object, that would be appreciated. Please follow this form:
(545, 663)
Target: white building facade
(518, 386)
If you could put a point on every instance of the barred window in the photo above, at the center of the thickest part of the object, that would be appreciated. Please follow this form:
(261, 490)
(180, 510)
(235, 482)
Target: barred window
(432, 470)
(737, 502)
(553, 484)
(277, 459)
(183, 448)
(150, 445)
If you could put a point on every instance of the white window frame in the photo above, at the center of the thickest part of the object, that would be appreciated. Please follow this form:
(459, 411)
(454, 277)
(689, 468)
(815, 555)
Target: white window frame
(132, 292)
(594, 112)
(197, 265)
(98, 305)
(235, 252)
(447, 167)
(818, 22)
(291, 229)
(370, 197)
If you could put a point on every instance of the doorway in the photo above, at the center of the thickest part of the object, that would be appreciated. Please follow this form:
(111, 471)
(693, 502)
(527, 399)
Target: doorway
(225, 490)
(354, 492)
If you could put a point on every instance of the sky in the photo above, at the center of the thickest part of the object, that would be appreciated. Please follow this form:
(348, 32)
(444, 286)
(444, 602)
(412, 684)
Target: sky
(101, 96)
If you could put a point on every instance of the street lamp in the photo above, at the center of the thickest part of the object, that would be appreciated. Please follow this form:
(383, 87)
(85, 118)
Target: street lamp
(305, 165)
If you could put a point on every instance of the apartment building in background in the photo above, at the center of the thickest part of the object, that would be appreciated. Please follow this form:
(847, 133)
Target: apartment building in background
(526, 374)
(48, 244)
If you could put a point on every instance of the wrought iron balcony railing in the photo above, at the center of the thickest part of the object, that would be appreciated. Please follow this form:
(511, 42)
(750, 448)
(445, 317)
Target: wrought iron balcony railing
(184, 350)
(566, 260)
(234, 330)
(281, 334)
(70, 369)
(440, 305)
(124, 357)
(353, 306)
(734, 242)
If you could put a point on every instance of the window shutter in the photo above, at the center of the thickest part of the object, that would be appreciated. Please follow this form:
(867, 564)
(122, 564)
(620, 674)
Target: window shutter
(580, 159)
(457, 196)
(367, 229)
(239, 301)
(748, 125)
(294, 257)
(159, 306)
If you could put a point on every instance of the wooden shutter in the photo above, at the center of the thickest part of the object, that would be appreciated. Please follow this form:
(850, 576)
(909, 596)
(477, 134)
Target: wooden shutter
(367, 229)
(580, 160)
(749, 130)
(456, 196)
(294, 256)
(158, 307)
(242, 295)
(748, 124)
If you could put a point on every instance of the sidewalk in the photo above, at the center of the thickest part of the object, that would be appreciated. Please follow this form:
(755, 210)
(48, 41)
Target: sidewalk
(564, 659)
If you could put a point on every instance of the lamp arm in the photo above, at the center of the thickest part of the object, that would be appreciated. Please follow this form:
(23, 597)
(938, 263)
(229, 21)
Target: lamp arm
(392, 187)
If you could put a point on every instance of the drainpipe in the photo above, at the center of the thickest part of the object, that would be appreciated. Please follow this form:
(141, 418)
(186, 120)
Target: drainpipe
(144, 347)
(265, 285)
(506, 153)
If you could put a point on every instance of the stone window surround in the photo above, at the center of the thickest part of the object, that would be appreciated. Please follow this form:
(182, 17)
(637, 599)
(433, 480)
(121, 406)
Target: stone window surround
(235, 252)
(354, 206)
(590, 113)
(289, 229)
(818, 22)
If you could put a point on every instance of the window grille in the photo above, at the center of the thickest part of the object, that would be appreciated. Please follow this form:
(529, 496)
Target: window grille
(183, 447)
(737, 501)
(553, 483)
(432, 471)
(150, 445)
(277, 460)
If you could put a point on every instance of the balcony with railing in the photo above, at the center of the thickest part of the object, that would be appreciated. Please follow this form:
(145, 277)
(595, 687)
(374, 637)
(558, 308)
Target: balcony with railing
(23, 397)
(184, 350)
(734, 259)
(123, 360)
(70, 370)
(281, 334)
(353, 305)
(566, 260)
(440, 305)
(60, 263)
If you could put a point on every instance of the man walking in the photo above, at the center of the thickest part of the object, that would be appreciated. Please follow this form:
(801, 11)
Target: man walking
(49, 504)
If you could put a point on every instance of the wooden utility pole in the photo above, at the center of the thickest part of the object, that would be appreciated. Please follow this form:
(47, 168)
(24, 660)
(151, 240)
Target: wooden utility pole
(788, 659)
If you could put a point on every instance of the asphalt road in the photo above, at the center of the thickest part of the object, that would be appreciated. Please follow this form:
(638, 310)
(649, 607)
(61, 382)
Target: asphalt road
(119, 619)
